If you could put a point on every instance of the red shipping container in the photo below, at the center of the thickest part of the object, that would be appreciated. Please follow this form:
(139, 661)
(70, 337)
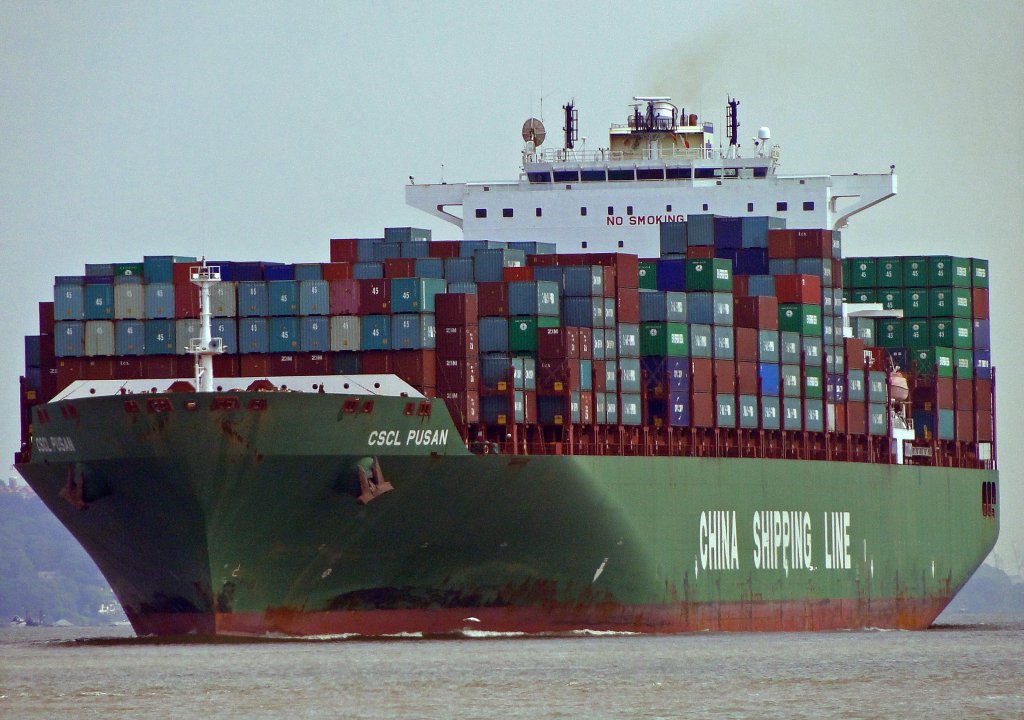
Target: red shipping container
(746, 378)
(517, 274)
(95, 368)
(979, 303)
(586, 408)
(558, 343)
(854, 350)
(444, 248)
(129, 368)
(227, 365)
(335, 271)
(944, 393)
(586, 343)
(456, 309)
(746, 344)
(255, 366)
(964, 431)
(725, 376)
(558, 376)
(837, 273)
(376, 362)
(464, 407)
(374, 297)
(608, 287)
(964, 390)
(181, 273)
(46, 318)
(186, 301)
(284, 364)
(840, 417)
(627, 305)
(874, 359)
(703, 410)
(162, 366)
(856, 417)
(700, 252)
(529, 402)
(740, 285)
(492, 299)
(314, 364)
(344, 251)
(416, 367)
(813, 243)
(599, 380)
(984, 427)
(701, 372)
(760, 313)
(802, 289)
(781, 244)
(68, 371)
(458, 341)
(457, 374)
(399, 268)
(48, 384)
(344, 297)
(983, 394)
(548, 260)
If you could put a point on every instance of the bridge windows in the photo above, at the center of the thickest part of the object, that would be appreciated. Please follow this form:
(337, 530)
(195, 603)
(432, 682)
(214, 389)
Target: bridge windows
(781, 206)
(677, 173)
(705, 207)
(650, 174)
(750, 207)
(593, 175)
(621, 174)
(539, 177)
(506, 212)
(668, 208)
(539, 212)
(583, 212)
(481, 212)
(809, 205)
(567, 176)
(629, 209)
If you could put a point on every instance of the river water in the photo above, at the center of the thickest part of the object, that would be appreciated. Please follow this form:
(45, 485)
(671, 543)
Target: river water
(964, 667)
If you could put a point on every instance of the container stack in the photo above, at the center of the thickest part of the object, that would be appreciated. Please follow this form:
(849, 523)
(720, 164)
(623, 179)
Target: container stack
(737, 326)
(943, 340)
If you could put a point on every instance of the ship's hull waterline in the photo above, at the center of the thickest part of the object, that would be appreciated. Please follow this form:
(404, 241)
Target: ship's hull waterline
(247, 520)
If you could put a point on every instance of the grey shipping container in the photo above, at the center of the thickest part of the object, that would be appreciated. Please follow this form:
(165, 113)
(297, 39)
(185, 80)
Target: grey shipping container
(314, 298)
(99, 338)
(129, 302)
(345, 333)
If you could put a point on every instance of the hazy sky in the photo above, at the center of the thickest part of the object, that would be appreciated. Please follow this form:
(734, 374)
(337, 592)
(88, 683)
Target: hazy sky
(247, 130)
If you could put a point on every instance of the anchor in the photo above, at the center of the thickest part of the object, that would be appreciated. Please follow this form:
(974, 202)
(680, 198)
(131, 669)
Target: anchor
(74, 490)
(372, 485)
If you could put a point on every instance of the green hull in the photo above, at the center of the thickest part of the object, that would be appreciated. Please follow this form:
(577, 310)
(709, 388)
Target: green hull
(248, 521)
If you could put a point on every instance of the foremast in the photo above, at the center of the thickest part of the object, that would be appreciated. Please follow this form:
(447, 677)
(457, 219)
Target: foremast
(205, 347)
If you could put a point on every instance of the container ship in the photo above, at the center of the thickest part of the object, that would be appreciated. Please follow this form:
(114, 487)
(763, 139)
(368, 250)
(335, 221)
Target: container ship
(644, 393)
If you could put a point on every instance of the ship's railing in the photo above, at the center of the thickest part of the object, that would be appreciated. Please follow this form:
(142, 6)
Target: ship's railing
(560, 155)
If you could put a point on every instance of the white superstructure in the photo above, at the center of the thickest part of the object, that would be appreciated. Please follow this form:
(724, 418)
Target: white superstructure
(661, 165)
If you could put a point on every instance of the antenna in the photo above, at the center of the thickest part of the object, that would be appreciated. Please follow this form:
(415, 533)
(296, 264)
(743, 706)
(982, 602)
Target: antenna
(732, 121)
(571, 121)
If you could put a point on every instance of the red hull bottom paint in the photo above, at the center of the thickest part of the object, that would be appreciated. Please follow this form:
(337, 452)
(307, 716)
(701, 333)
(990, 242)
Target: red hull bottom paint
(795, 616)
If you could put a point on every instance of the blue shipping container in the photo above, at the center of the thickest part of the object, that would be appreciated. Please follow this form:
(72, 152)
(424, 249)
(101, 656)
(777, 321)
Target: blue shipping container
(284, 334)
(315, 334)
(314, 297)
(253, 299)
(130, 337)
(284, 298)
(375, 332)
(161, 337)
(69, 338)
(253, 335)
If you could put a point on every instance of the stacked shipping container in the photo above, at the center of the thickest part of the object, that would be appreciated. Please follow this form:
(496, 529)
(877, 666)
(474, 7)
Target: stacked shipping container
(737, 326)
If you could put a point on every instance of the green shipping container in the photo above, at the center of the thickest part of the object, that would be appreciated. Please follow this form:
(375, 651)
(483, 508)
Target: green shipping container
(868, 295)
(934, 360)
(891, 299)
(128, 269)
(803, 319)
(522, 332)
(664, 339)
(714, 275)
(915, 272)
(979, 273)
(890, 333)
(917, 333)
(890, 272)
(916, 302)
(950, 302)
(863, 273)
(946, 271)
(952, 332)
(813, 384)
(648, 276)
(963, 364)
